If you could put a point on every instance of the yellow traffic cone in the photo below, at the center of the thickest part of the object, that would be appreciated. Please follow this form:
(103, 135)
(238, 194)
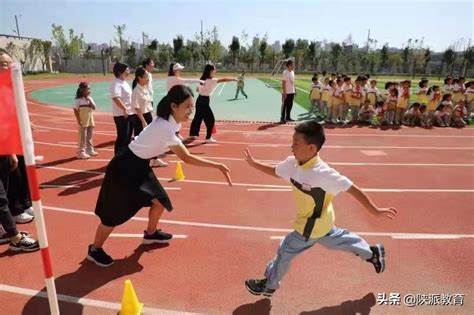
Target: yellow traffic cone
(179, 175)
(130, 304)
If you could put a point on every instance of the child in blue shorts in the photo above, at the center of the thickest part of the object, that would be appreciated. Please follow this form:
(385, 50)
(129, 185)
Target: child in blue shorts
(314, 185)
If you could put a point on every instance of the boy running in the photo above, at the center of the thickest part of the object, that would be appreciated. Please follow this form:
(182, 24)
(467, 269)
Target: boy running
(314, 185)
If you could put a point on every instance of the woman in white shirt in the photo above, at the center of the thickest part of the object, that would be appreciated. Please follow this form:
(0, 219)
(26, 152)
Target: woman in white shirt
(130, 184)
(124, 115)
(174, 77)
(203, 109)
(142, 103)
(142, 98)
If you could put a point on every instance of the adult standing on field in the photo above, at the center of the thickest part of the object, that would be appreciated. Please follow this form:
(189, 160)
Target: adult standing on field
(148, 64)
(124, 115)
(288, 91)
(203, 109)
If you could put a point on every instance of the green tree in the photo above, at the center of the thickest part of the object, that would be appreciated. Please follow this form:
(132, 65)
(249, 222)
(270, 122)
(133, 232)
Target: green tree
(178, 44)
(68, 48)
(336, 51)
(468, 59)
(384, 56)
(131, 54)
(234, 49)
(395, 61)
(301, 51)
(183, 56)
(165, 53)
(312, 52)
(120, 30)
(193, 48)
(449, 57)
(262, 50)
(426, 60)
(288, 47)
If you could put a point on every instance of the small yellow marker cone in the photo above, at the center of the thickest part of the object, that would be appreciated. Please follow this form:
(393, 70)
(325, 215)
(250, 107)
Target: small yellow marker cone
(130, 304)
(179, 175)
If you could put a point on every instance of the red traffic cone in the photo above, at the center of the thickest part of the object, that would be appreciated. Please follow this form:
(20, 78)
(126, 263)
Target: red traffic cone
(214, 130)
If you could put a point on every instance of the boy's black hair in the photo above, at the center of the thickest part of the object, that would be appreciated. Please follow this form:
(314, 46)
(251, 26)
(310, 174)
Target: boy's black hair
(423, 107)
(313, 133)
(347, 79)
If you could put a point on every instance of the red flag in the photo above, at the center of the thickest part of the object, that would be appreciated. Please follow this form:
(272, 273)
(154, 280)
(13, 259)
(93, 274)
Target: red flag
(10, 140)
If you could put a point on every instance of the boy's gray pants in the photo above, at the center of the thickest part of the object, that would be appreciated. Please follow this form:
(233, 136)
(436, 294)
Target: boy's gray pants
(295, 243)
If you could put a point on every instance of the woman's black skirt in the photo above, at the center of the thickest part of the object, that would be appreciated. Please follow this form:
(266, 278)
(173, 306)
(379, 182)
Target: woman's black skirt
(129, 185)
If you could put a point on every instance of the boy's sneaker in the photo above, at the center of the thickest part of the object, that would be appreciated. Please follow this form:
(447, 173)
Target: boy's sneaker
(25, 244)
(23, 218)
(258, 287)
(99, 257)
(157, 237)
(378, 258)
(4, 239)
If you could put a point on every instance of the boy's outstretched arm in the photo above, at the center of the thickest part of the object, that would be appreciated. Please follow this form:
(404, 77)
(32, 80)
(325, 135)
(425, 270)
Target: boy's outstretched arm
(358, 194)
(265, 168)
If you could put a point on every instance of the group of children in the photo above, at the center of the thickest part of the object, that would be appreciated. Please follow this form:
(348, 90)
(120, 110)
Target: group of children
(339, 100)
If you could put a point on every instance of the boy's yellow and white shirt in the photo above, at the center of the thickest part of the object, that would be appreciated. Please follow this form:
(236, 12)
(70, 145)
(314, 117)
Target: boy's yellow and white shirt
(314, 186)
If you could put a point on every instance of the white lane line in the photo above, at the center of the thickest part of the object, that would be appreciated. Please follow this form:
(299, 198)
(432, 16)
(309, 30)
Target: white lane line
(127, 235)
(279, 230)
(68, 142)
(217, 85)
(69, 146)
(186, 223)
(382, 190)
(373, 152)
(58, 186)
(84, 301)
(331, 163)
(223, 86)
(406, 236)
(358, 135)
(267, 189)
(275, 145)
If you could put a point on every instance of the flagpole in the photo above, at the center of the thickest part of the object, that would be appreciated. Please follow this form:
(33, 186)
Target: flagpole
(28, 153)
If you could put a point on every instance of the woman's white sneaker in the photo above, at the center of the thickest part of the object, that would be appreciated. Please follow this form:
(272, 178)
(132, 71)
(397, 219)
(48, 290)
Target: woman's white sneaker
(23, 218)
(159, 163)
(83, 156)
(211, 140)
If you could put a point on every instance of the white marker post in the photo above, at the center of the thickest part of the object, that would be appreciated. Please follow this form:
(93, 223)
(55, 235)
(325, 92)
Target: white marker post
(28, 153)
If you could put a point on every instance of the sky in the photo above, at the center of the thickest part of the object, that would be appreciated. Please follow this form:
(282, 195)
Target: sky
(440, 23)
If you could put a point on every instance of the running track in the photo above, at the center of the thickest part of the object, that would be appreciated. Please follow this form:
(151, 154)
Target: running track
(225, 235)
